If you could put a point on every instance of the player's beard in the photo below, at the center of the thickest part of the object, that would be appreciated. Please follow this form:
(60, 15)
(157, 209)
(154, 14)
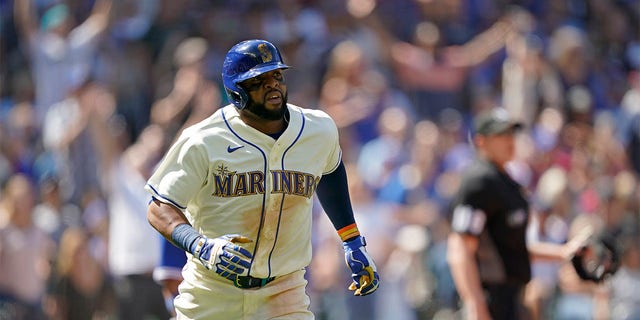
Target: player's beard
(260, 110)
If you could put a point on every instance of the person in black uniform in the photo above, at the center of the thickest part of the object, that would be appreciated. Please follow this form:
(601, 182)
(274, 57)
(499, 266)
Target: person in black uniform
(487, 252)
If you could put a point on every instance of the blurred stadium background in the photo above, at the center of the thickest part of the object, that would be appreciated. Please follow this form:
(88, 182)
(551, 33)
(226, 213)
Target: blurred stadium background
(93, 92)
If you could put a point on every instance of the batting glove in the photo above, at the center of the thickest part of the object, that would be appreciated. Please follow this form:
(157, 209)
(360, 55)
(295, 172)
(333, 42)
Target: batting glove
(224, 256)
(363, 269)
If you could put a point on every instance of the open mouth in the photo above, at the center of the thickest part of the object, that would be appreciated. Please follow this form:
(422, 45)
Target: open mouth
(274, 97)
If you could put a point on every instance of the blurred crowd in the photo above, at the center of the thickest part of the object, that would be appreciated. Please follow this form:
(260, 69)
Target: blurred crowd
(92, 93)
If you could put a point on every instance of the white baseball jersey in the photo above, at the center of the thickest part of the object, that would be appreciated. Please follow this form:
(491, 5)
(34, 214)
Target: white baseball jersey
(229, 178)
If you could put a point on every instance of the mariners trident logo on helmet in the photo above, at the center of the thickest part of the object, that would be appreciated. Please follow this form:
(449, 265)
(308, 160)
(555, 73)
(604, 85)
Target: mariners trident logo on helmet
(246, 60)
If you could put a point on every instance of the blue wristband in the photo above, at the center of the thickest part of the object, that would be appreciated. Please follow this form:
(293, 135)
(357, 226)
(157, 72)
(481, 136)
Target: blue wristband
(185, 237)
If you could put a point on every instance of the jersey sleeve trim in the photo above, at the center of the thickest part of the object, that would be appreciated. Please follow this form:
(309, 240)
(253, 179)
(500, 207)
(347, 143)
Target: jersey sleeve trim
(466, 219)
(336, 165)
(164, 199)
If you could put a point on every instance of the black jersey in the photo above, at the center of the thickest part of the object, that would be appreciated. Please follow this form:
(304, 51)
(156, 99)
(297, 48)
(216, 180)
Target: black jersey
(492, 206)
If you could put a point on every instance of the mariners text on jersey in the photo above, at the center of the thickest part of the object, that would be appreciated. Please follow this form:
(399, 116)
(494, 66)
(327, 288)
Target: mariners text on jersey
(235, 184)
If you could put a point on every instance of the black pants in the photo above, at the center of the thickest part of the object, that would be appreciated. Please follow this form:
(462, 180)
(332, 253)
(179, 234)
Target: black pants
(505, 301)
(140, 297)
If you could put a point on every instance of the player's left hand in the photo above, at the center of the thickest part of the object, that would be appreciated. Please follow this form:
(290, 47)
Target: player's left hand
(363, 269)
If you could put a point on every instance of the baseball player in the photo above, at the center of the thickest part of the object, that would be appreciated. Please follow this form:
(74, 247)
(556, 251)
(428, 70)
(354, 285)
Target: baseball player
(235, 192)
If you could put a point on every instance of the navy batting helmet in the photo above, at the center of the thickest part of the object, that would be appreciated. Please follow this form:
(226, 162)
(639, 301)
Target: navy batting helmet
(246, 60)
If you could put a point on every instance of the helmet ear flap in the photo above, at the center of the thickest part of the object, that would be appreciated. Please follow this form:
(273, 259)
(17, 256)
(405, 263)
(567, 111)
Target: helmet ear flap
(239, 98)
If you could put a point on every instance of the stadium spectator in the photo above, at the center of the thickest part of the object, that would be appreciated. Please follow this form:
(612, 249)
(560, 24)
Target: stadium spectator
(59, 47)
(23, 277)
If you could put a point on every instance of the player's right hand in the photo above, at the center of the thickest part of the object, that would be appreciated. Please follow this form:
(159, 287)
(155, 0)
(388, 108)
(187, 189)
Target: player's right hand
(224, 256)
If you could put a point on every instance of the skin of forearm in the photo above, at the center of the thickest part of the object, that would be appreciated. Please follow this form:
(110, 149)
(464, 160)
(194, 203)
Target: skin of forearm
(546, 251)
(464, 270)
(559, 252)
(164, 218)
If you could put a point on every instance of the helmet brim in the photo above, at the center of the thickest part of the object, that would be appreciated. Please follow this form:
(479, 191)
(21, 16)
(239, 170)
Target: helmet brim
(258, 70)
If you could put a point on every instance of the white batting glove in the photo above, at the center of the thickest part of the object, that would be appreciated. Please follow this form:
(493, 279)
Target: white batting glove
(224, 256)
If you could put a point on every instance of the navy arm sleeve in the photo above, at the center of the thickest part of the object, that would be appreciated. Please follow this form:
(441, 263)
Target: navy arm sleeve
(333, 194)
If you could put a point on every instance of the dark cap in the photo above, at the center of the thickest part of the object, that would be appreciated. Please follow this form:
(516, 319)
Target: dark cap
(495, 121)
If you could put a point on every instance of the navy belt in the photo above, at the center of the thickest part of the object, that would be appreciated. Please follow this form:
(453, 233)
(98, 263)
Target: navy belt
(249, 282)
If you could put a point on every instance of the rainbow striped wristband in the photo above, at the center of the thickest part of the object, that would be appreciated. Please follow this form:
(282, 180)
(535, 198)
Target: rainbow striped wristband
(348, 232)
